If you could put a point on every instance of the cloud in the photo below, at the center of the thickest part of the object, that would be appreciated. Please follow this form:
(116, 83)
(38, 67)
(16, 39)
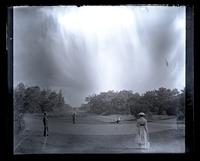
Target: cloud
(85, 50)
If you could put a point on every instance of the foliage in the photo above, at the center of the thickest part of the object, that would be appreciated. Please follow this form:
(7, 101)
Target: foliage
(161, 101)
(33, 99)
(19, 123)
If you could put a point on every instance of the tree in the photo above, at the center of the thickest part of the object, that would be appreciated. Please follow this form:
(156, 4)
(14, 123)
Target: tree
(161, 101)
(172, 106)
(53, 100)
(44, 102)
(131, 102)
(140, 106)
(19, 123)
(31, 99)
(181, 107)
(152, 99)
(19, 94)
(61, 101)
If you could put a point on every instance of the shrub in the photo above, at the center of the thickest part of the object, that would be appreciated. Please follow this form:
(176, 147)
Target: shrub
(19, 123)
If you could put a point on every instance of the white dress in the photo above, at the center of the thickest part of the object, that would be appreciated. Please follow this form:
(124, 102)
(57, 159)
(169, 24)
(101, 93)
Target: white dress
(142, 134)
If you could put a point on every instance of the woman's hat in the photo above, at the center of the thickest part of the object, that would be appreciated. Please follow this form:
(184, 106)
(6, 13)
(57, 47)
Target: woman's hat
(141, 114)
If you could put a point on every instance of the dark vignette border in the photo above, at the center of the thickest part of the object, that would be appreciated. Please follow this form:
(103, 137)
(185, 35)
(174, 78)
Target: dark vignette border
(6, 113)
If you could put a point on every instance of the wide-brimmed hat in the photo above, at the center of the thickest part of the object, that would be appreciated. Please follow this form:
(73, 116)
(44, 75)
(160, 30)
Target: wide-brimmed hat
(141, 114)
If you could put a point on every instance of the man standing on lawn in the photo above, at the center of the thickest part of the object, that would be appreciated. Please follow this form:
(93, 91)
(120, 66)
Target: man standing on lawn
(45, 123)
(74, 117)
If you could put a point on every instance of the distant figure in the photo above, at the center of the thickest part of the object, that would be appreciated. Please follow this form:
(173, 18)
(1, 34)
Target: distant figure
(74, 118)
(167, 64)
(118, 120)
(179, 119)
(45, 122)
(180, 116)
(142, 137)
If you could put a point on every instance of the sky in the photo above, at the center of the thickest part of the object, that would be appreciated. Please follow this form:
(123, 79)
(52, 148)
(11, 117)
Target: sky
(92, 49)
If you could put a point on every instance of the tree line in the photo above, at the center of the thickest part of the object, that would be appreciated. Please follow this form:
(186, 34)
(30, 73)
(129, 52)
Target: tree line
(161, 101)
(34, 100)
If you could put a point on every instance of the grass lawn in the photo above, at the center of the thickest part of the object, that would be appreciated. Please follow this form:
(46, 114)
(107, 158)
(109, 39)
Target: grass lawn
(95, 134)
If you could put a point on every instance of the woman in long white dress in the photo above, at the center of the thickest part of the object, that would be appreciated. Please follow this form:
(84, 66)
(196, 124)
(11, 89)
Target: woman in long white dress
(142, 137)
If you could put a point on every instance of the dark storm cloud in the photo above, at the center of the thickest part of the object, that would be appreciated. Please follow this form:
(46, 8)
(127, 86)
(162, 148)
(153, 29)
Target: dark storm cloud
(87, 50)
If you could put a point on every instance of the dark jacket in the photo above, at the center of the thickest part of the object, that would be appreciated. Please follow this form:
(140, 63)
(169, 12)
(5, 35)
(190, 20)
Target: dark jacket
(45, 121)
